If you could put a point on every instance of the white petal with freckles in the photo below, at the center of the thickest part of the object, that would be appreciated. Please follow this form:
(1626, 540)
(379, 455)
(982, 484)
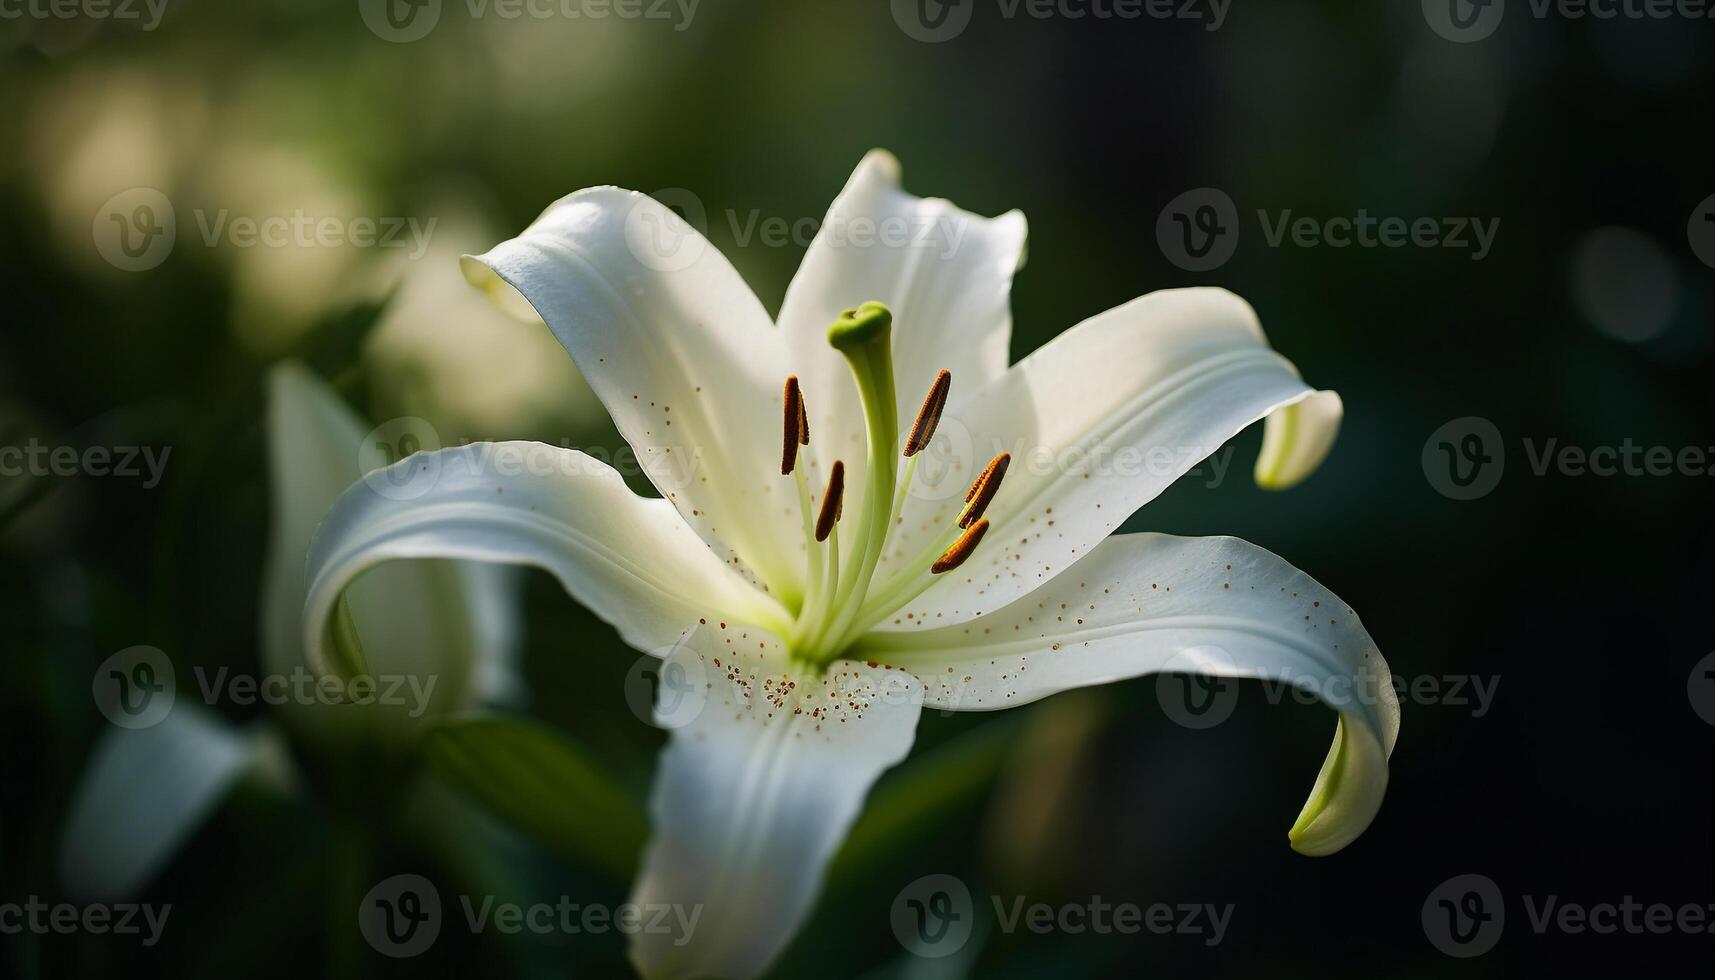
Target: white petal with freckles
(1099, 421)
(680, 352)
(756, 790)
(945, 273)
(1143, 603)
(627, 558)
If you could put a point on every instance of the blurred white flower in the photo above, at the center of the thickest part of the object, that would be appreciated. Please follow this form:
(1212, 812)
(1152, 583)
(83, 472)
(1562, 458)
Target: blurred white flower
(443, 633)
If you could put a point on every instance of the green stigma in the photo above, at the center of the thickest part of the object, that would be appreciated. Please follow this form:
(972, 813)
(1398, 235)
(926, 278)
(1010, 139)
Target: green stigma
(868, 323)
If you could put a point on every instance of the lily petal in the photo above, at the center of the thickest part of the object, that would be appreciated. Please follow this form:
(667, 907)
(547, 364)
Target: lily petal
(679, 350)
(946, 274)
(1098, 422)
(627, 558)
(426, 619)
(1145, 603)
(753, 794)
(144, 793)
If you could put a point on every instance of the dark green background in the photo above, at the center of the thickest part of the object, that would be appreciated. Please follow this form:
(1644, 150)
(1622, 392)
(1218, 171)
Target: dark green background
(1588, 598)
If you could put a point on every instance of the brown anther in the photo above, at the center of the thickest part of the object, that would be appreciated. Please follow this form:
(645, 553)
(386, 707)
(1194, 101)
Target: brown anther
(794, 425)
(831, 502)
(929, 415)
(983, 490)
(955, 556)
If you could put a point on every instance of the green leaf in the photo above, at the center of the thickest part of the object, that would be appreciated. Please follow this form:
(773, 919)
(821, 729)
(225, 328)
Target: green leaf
(926, 787)
(543, 783)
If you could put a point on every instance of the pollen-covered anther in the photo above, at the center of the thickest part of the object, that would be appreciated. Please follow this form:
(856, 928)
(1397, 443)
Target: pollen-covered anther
(832, 502)
(929, 415)
(983, 489)
(955, 556)
(795, 426)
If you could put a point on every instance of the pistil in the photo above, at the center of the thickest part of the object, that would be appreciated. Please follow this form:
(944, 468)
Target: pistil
(840, 603)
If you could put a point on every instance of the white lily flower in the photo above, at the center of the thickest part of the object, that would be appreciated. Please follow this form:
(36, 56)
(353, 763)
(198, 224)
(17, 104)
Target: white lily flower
(824, 619)
(147, 790)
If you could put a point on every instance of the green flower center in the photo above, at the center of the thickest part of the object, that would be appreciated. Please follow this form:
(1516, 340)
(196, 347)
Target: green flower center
(843, 598)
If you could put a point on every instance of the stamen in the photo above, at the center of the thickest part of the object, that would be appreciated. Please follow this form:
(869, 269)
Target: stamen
(929, 415)
(983, 490)
(832, 501)
(796, 430)
(955, 556)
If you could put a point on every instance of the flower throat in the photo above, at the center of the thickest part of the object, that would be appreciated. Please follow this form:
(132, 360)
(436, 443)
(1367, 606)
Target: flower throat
(842, 598)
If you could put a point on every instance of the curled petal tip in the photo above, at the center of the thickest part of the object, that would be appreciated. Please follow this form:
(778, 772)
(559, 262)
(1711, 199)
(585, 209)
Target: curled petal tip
(1296, 439)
